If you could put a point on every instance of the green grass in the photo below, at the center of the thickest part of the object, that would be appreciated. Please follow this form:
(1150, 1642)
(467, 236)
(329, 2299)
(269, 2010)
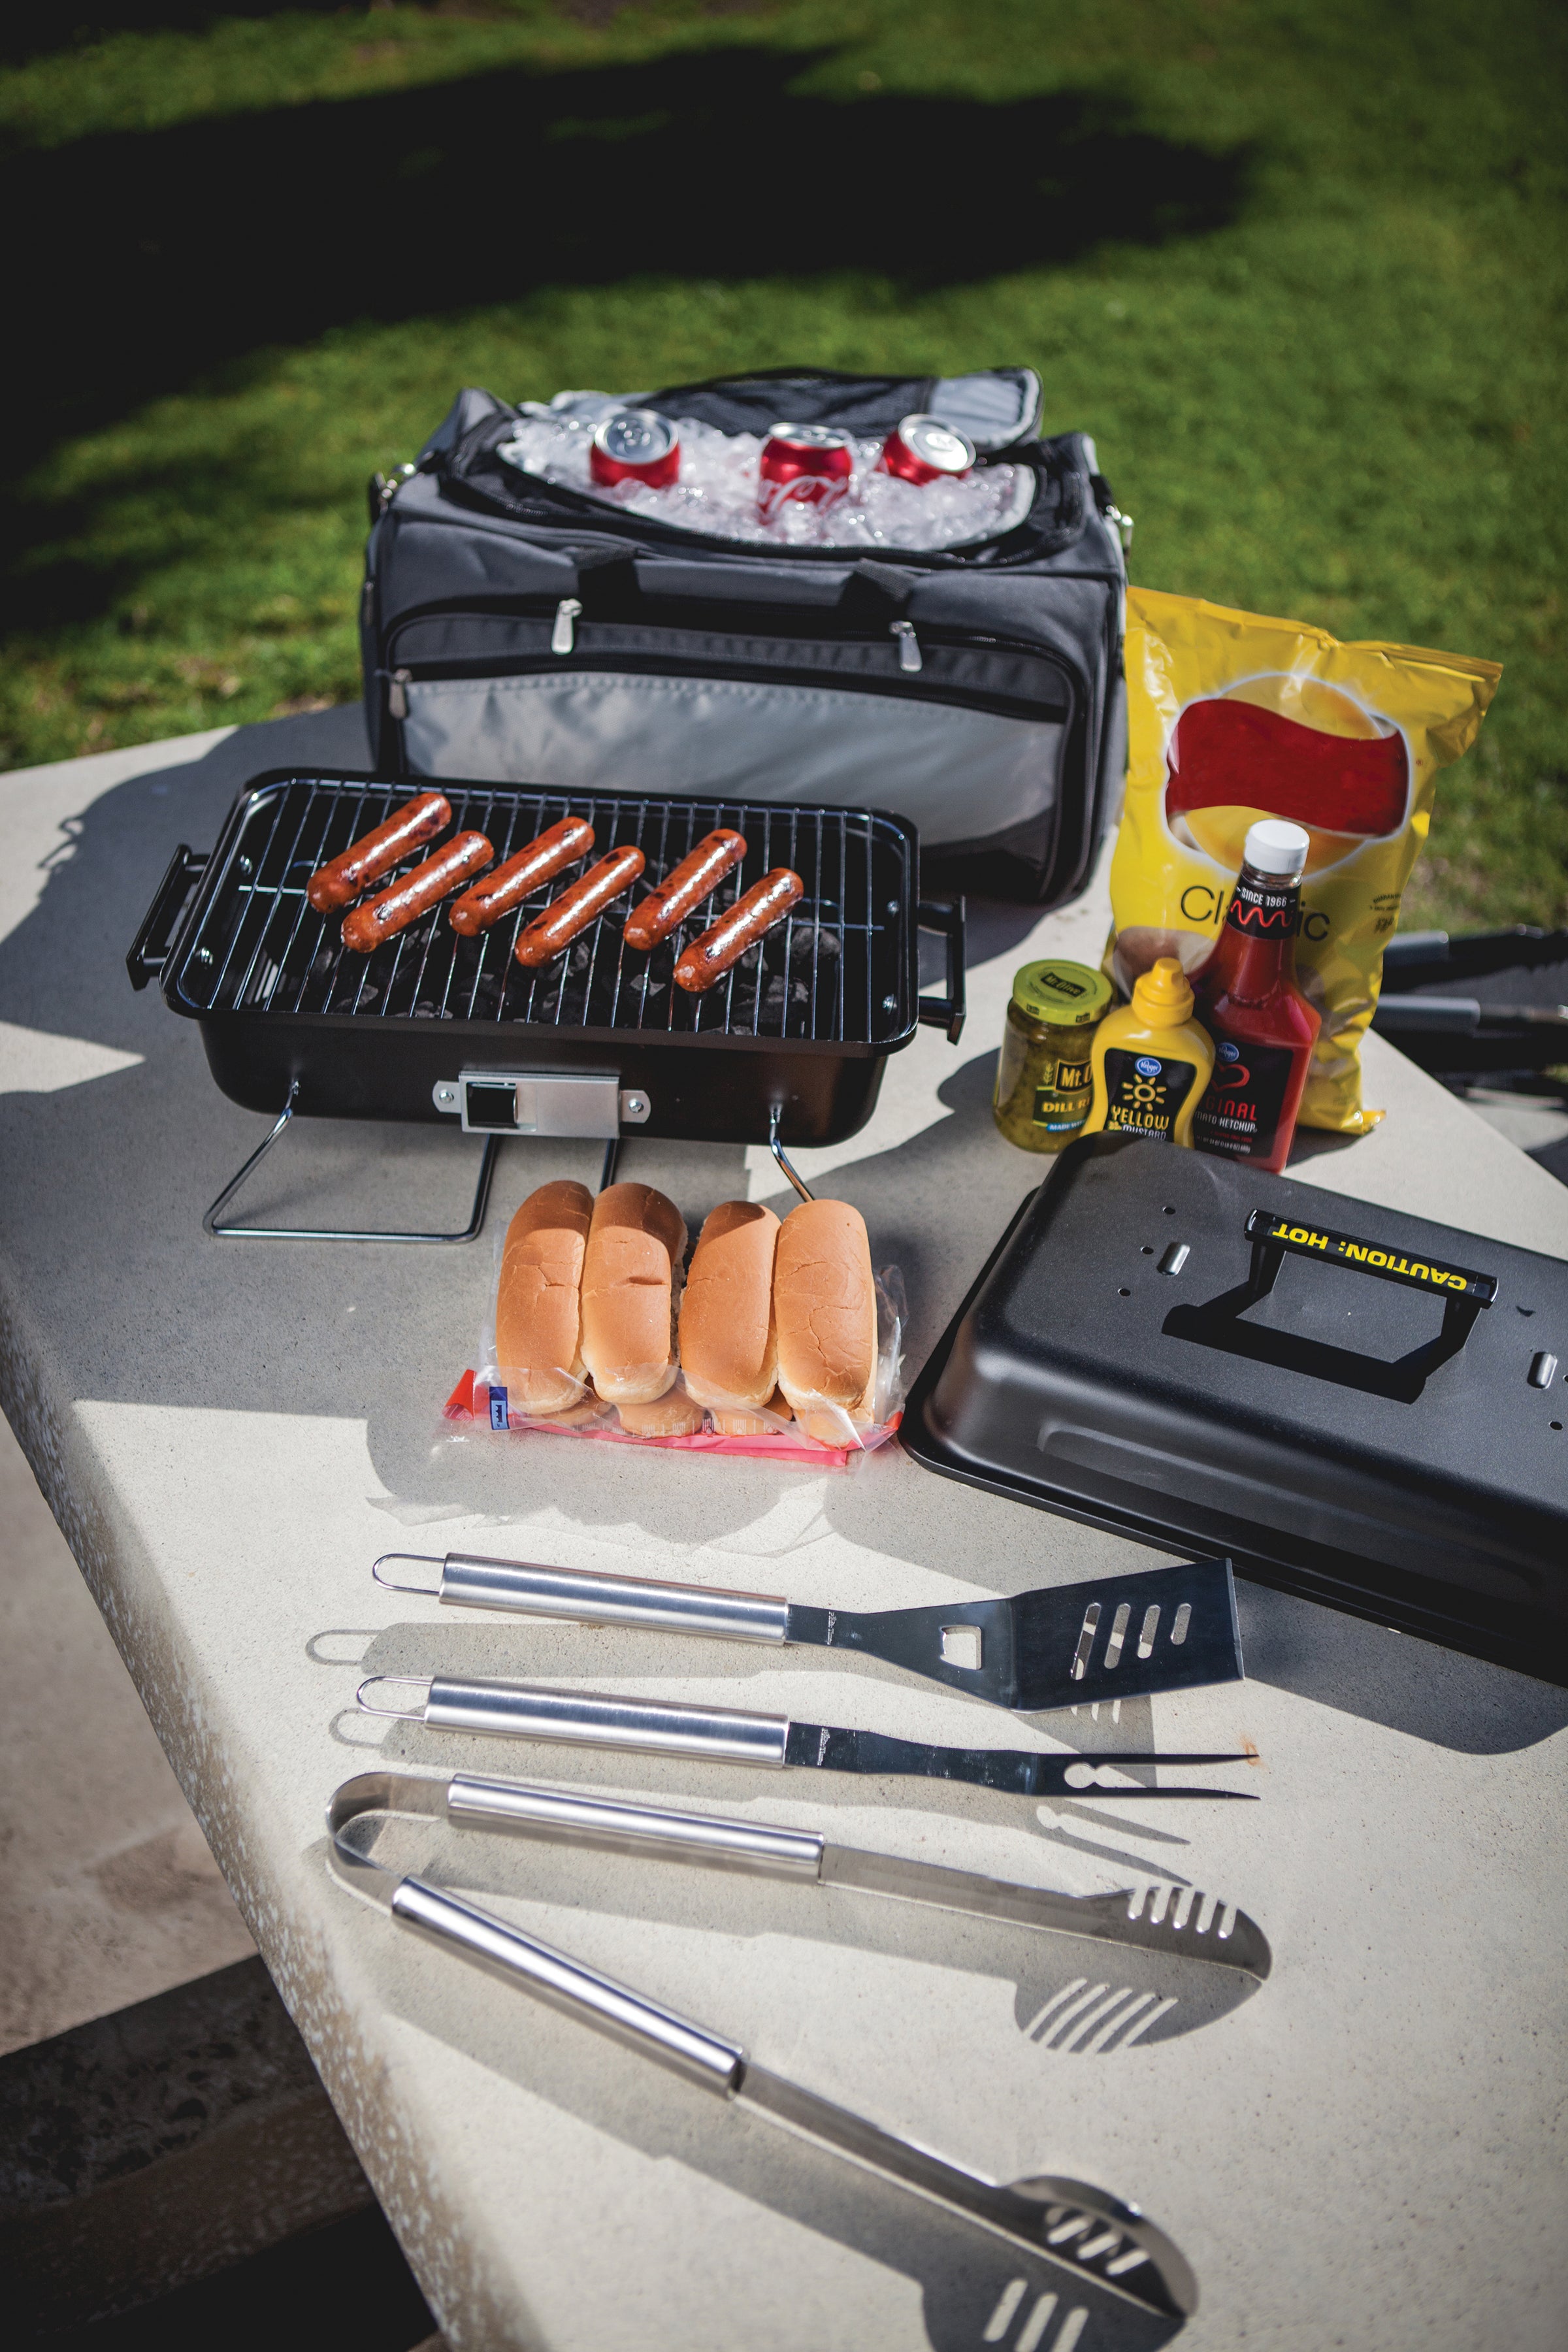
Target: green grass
(1344, 403)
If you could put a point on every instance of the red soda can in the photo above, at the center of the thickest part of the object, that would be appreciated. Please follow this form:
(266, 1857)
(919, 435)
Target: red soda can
(808, 462)
(633, 445)
(924, 449)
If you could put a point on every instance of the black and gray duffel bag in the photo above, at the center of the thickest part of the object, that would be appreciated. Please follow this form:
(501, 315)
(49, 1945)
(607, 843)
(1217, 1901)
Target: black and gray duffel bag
(517, 628)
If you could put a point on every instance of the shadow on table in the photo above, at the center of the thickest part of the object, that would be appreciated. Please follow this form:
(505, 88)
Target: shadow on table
(975, 2288)
(116, 1171)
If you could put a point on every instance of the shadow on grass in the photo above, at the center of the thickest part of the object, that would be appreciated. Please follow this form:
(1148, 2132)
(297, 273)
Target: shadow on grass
(35, 31)
(149, 260)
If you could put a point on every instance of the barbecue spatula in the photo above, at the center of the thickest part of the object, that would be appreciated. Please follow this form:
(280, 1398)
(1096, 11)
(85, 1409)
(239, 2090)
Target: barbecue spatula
(1166, 1628)
(734, 1734)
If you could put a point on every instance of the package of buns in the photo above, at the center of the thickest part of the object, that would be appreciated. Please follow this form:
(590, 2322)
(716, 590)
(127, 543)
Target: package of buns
(776, 1339)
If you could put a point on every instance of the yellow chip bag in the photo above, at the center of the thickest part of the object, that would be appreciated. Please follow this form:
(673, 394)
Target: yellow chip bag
(1232, 717)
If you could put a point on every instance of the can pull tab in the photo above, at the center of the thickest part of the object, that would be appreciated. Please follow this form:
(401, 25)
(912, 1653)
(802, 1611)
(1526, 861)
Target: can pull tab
(563, 635)
(909, 645)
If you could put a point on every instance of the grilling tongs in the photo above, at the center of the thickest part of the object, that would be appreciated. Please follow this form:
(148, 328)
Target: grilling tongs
(1088, 2231)
(1165, 1629)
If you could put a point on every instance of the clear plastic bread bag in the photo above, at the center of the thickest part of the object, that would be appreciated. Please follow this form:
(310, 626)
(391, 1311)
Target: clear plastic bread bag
(487, 1398)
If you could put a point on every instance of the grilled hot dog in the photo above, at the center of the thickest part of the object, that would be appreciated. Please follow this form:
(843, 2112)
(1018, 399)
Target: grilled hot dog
(364, 927)
(509, 885)
(767, 902)
(694, 879)
(550, 933)
(366, 860)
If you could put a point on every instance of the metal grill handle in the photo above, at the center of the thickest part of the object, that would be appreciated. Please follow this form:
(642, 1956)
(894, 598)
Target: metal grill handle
(567, 1984)
(946, 916)
(599, 1596)
(151, 949)
(717, 1735)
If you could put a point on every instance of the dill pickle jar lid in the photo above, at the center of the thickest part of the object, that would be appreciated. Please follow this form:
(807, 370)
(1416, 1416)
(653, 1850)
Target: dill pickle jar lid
(1061, 995)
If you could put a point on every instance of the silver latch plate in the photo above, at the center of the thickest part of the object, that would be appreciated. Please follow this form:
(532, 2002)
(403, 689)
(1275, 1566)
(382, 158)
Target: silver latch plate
(542, 1102)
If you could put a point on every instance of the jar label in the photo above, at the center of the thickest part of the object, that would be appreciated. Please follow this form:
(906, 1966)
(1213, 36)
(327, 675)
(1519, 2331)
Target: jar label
(1145, 1092)
(1239, 1113)
(1062, 1101)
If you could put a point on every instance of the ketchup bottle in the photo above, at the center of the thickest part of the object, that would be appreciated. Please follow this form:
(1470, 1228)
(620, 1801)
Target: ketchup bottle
(1263, 1028)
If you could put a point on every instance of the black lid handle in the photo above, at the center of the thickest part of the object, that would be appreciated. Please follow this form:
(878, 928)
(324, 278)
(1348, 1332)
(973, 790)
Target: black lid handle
(1273, 1237)
(1463, 1293)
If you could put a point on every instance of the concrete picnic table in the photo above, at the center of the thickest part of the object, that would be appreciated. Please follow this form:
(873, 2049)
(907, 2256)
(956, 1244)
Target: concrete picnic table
(229, 1432)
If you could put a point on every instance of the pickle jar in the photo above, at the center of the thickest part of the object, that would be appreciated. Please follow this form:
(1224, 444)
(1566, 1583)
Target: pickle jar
(1044, 1081)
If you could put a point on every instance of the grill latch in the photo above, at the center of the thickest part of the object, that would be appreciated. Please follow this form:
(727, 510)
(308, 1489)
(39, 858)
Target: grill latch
(542, 1102)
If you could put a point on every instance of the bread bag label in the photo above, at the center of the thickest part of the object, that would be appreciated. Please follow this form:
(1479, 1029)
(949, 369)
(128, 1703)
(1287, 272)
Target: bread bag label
(1233, 716)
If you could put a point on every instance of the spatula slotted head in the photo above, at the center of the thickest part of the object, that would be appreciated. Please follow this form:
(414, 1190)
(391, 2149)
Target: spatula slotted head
(1167, 1629)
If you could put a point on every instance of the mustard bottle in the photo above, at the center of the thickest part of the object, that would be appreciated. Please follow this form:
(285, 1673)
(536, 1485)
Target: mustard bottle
(1152, 1061)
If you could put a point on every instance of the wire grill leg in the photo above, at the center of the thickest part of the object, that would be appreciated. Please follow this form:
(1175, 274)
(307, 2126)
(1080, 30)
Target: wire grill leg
(330, 1233)
(776, 1148)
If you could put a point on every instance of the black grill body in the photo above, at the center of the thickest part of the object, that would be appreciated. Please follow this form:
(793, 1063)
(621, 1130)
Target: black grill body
(802, 1026)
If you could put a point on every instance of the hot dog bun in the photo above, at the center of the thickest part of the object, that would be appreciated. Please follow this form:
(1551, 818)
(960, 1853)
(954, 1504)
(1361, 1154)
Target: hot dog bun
(751, 1424)
(824, 1308)
(539, 1298)
(631, 1283)
(728, 1348)
(671, 1415)
(576, 1416)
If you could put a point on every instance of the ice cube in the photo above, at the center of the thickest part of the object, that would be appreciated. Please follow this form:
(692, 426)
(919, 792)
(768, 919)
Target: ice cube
(716, 492)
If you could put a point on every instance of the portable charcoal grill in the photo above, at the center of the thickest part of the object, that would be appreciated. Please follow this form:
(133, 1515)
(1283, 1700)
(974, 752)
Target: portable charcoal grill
(789, 1047)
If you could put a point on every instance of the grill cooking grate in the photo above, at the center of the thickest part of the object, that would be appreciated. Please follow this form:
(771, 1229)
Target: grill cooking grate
(830, 973)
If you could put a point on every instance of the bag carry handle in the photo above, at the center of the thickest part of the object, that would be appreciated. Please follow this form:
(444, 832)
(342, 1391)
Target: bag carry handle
(615, 582)
(152, 947)
(1273, 1238)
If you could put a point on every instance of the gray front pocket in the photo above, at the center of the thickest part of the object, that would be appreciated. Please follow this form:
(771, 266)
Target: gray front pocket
(959, 775)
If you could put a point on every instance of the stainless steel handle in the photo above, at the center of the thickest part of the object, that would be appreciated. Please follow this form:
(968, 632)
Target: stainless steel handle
(723, 1734)
(608, 1599)
(567, 1984)
(635, 1828)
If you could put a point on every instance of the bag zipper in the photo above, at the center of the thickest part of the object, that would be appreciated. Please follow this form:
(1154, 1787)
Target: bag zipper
(564, 646)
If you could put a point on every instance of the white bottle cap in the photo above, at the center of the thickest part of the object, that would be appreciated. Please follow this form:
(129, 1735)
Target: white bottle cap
(1275, 846)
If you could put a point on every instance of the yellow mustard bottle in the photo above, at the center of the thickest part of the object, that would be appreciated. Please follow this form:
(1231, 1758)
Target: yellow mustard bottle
(1152, 1061)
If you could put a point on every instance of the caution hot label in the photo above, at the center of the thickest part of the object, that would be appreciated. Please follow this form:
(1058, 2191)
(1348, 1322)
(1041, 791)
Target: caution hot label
(1371, 1257)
